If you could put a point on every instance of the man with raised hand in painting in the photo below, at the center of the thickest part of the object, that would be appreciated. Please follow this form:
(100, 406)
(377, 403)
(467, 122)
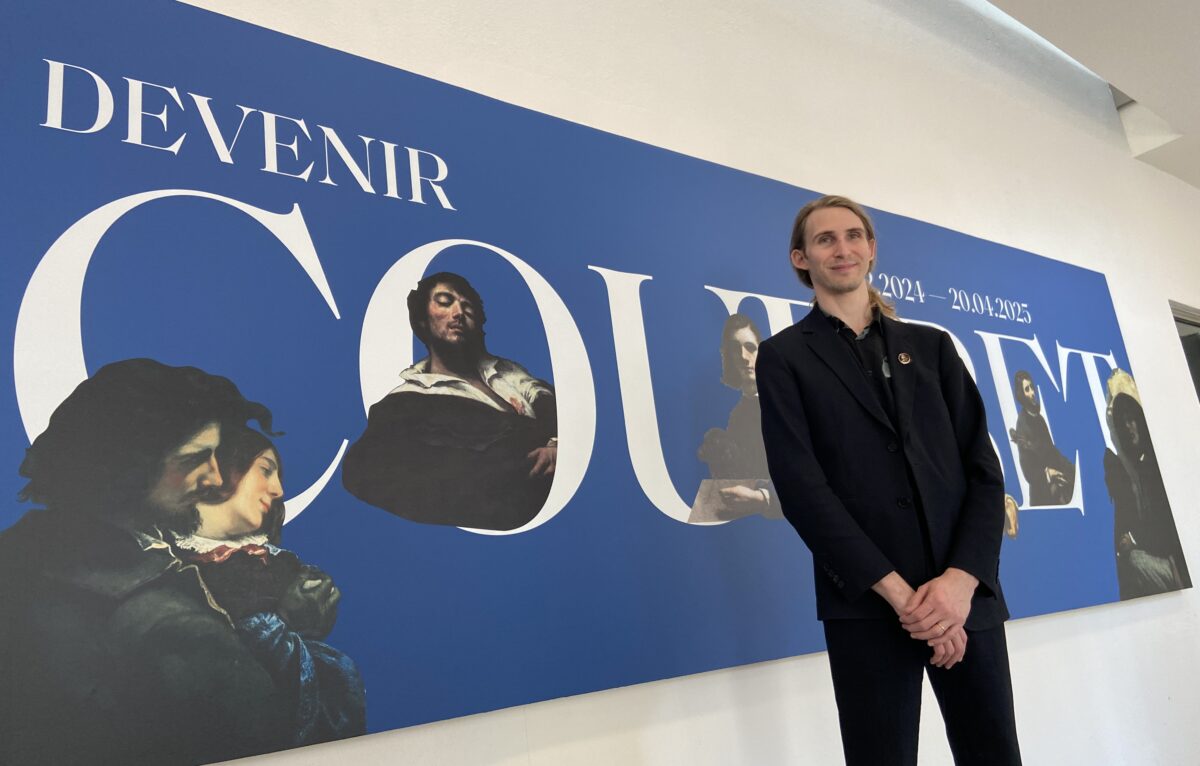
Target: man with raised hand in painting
(878, 446)
(112, 649)
(466, 438)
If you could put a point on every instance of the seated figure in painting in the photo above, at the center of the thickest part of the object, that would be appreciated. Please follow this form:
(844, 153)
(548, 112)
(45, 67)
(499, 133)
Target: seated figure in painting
(466, 439)
(280, 608)
(735, 456)
(1149, 554)
(1051, 477)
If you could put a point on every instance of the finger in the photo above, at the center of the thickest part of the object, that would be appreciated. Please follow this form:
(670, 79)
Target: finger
(923, 612)
(960, 648)
(940, 654)
(916, 599)
(932, 622)
(540, 460)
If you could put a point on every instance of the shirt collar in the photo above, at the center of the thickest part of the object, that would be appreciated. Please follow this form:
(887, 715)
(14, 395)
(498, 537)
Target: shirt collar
(838, 325)
(420, 375)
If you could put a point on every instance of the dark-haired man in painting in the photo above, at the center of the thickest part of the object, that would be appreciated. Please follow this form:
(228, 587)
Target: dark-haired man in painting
(1051, 477)
(112, 649)
(735, 456)
(466, 438)
(1149, 554)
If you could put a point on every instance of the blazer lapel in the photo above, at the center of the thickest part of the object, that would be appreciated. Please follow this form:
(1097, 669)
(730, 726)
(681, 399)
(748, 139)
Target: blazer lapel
(832, 350)
(899, 348)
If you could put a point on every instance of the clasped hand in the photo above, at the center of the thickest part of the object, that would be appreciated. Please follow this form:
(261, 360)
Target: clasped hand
(936, 613)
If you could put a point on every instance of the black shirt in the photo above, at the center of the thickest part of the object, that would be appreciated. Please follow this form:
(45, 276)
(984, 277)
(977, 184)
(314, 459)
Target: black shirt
(869, 350)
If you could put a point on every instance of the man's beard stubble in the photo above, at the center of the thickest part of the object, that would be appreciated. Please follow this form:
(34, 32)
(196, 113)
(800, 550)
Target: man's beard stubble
(466, 354)
(1033, 405)
(183, 520)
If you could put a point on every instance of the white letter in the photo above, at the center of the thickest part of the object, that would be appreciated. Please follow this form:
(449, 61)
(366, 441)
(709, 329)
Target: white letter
(134, 135)
(1092, 372)
(224, 152)
(386, 348)
(389, 169)
(364, 180)
(54, 99)
(48, 344)
(271, 146)
(637, 392)
(415, 177)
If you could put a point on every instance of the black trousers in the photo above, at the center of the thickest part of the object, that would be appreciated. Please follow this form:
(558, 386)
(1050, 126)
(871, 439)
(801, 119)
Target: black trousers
(877, 675)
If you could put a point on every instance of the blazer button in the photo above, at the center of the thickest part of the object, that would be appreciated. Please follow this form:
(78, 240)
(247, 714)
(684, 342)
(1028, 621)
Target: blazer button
(892, 447)
(903, 502)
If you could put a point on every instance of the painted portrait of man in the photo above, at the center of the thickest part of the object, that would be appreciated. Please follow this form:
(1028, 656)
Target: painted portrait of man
(1050, 475)
(466, 438)
(740, 484)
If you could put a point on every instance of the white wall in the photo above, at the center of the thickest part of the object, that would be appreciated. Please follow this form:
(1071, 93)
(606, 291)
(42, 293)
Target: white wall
(921, 108)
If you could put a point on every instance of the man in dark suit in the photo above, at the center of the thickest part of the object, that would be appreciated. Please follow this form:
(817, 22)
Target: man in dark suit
(878, 447)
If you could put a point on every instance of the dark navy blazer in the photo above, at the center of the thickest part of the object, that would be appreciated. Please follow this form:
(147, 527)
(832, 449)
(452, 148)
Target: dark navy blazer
(838, 463)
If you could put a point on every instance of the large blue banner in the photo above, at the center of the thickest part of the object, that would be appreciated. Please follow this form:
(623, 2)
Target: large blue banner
(187, 189)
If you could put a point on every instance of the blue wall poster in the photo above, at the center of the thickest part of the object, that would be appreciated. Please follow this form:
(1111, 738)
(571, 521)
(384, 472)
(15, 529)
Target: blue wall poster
(205, 221)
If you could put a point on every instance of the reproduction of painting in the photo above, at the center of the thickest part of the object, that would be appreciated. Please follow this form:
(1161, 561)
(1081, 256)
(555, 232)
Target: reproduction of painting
(470, 509)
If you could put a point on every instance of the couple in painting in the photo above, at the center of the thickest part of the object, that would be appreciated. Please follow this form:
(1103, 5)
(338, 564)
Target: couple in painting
(149, 614)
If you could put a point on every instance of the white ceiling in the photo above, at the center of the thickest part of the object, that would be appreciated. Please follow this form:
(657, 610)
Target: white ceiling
(1150, 50)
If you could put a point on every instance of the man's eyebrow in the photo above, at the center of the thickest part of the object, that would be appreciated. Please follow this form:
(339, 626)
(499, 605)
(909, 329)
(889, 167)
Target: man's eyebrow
(851, 230)
(196, 454)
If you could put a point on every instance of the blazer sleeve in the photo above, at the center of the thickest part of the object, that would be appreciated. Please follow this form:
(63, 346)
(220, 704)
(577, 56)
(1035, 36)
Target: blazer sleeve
(844, 551)
(975, 547)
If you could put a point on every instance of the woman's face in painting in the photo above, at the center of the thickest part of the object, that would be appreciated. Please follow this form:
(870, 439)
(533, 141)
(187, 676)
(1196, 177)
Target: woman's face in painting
(246, 510)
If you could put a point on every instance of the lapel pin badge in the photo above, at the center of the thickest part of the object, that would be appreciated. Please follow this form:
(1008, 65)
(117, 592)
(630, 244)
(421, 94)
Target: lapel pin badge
(904, 357)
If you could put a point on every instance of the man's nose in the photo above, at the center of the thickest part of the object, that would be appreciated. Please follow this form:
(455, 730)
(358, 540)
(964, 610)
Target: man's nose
(212, 474)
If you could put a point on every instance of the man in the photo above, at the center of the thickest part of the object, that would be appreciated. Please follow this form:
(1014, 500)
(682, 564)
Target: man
(111, 648)
(878, 447)
(466, 439)
(739, 486)
(1050, 476)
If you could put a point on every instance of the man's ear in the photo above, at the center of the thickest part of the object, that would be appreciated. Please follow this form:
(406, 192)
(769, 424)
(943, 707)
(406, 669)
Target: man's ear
(799, 261)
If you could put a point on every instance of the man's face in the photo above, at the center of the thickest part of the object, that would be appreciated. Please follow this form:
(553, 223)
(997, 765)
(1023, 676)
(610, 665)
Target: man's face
(453, 318)
(1135, 434)
(837, 253)
(744, 355)
(1029, 398)
(189, 474)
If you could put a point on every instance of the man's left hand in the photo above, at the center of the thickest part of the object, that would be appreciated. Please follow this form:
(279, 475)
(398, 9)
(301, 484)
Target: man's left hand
(940, 605)
(544, 459)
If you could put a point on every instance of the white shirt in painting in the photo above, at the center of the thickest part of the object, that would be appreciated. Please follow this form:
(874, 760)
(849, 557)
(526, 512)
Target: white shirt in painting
(509, 380)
